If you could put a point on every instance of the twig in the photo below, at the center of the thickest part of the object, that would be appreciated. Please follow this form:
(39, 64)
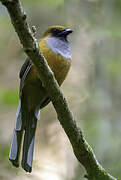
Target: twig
(34, 30)
(81, 148)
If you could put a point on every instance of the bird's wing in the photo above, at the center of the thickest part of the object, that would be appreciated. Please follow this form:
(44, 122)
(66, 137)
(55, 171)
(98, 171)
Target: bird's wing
(23, 68)
(23, 73)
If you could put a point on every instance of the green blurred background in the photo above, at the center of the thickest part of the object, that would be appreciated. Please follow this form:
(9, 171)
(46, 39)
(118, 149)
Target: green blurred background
(92, 88)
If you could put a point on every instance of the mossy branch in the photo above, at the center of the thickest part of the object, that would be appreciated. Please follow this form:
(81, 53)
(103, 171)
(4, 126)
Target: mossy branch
(81, 148)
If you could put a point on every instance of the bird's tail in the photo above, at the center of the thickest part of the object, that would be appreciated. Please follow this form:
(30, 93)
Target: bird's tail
(26, 121)
(28, 145)
(14, 154)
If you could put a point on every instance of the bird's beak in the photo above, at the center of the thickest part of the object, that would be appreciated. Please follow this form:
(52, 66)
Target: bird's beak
(65, 32)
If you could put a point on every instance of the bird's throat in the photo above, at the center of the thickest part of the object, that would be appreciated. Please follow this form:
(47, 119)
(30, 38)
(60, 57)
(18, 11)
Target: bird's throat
(59, 46)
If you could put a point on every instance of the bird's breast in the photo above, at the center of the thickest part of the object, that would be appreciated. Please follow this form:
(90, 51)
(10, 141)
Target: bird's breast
(59, 64)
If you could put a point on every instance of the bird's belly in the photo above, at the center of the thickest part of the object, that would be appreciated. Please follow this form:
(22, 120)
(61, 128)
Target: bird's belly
(34, 95)
(60, 71)
(58, 64)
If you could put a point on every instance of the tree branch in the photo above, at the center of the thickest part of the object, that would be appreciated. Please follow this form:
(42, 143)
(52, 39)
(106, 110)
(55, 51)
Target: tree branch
(81, 148)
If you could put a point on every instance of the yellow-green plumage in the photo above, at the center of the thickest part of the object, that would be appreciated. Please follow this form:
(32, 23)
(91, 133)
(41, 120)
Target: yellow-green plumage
(33, 96)
(58, 64)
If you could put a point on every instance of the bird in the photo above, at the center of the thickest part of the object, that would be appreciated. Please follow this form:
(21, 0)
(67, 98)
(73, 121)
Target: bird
(55, 47)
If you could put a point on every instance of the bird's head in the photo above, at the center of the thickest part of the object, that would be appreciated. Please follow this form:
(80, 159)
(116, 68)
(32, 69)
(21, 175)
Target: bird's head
(56, 39)
(57, 31)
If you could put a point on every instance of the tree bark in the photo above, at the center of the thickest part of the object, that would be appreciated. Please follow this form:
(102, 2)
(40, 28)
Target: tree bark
(81, 148)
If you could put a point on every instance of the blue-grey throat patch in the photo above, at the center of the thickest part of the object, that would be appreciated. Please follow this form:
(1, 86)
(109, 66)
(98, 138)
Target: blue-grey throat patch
(59, 46)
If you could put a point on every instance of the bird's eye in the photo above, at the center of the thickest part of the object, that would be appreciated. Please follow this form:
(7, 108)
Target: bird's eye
(54, 30)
